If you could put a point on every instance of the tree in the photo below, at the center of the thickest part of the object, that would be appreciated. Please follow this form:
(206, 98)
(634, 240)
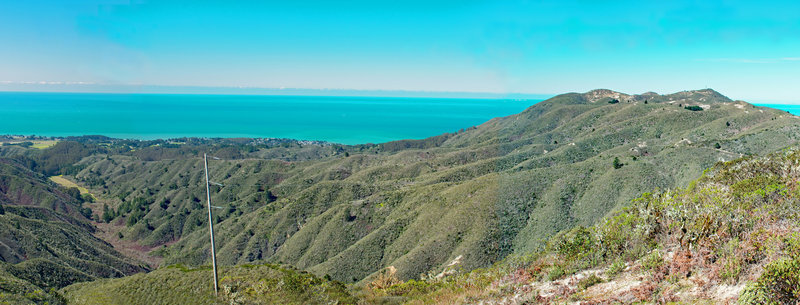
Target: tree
(74, 192)
(717, 146)
(87, 198)
(86, 212)
(617, 164)
(2, 210)
(693, 108)
(107, 214)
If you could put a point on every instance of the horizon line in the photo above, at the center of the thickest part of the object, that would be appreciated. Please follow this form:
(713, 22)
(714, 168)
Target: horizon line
(85, 87)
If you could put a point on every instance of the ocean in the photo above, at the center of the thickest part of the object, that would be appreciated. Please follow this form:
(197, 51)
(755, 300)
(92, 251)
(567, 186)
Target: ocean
(347, 120)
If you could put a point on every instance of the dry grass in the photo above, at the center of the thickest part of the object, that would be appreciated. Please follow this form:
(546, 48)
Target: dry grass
(60, 180)
(44, 144)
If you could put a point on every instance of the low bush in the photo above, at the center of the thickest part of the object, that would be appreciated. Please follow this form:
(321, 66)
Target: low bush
(589, 281)
(779, 284)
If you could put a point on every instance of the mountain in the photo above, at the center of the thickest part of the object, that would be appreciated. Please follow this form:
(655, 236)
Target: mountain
(730, 236)
(481, 194)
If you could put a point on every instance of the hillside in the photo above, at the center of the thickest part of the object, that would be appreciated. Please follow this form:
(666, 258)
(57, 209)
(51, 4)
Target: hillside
(245, 284)
(730, 236)
(489, 191)
(45, 243)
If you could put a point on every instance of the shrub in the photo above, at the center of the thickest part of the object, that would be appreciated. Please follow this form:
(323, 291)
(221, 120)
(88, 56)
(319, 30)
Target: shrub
(577, 243)
(87, 198)
(693, 108)
(555, 273)
(412, 287)
(385, 279)
(653, 261)
(779, 284)
(617, 164)
(589, 281)
(616, 267)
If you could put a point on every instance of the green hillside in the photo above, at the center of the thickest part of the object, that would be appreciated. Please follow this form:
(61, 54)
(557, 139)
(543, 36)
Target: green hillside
(45, 243)
(21, 186)
(731, 236)
(245, 284)
(499, 188)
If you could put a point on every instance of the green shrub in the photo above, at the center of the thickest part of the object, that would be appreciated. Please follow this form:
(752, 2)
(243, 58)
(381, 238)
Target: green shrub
(589, 281)
(87, 198)
(616, 267)
(555, 273)
(779, 284)
(693, 108)
(653, 261)
(413, 287)
(577, 243)
(731, 268)
(617, 164)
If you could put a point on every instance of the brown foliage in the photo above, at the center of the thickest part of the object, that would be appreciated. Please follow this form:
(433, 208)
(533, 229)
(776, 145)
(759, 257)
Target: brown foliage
(385, 279)
(682, 263)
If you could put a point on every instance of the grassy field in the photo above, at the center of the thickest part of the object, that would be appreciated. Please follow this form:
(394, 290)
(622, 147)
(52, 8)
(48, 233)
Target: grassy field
(44, 144)
(60, 180)
(38, 144)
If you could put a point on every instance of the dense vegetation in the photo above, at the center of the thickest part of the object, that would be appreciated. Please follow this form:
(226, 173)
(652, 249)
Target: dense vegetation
(732, 234)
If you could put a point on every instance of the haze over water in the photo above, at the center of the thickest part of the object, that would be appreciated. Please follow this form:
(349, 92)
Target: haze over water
(347, 120)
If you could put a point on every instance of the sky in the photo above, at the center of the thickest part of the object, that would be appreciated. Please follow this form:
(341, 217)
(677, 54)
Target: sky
(744, 49)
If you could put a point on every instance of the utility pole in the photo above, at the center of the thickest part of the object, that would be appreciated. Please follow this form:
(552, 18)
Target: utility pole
(211, 228)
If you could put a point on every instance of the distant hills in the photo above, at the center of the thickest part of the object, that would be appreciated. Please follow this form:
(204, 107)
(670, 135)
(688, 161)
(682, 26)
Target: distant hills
(481, 194)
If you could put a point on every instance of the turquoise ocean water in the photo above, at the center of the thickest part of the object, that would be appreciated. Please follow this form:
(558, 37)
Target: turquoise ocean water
(348, 120)
(793, 109)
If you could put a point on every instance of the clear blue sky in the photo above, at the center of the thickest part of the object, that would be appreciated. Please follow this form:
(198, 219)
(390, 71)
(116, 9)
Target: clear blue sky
(744, 49)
